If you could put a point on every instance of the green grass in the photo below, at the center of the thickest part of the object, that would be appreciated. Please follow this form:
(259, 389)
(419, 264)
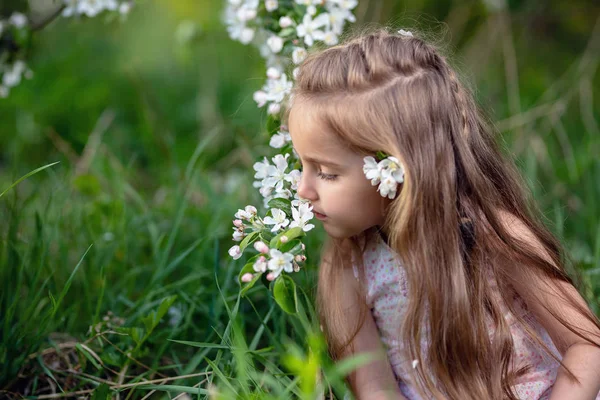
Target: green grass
(114, 273)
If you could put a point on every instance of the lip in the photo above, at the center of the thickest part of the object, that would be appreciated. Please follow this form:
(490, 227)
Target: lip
(318, 215)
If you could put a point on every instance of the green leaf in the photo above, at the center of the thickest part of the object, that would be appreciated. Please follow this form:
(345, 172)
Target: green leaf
(292, 246)
(381, 155)
(273, 125)
(137, 334)
(249, 268)
(174, 388)
(102, 392)
(284, 205)
(88, 356)
(284, 291)
(35, 171)
(291, 235)
(287, 31)
(87, 184)
(251, 237)
(250, 284)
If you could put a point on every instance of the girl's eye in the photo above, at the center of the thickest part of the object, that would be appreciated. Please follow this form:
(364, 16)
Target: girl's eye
(326, 177)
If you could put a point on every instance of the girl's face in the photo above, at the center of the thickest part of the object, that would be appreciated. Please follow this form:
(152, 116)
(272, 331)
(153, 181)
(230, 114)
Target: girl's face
(333, 178)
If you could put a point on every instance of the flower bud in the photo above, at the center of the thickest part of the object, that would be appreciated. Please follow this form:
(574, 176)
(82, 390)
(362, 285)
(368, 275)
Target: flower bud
(247, 277)
(270, 276)
(300, 258)
(235, 252)
(260, 97)
(275, 43)
(274, 108)
(303, 246)
(273, 73)
(238, 223)
(261, 247)
(284, 239)
(284, 22)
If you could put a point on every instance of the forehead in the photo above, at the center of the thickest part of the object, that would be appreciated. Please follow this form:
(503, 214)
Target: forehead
(311, 134)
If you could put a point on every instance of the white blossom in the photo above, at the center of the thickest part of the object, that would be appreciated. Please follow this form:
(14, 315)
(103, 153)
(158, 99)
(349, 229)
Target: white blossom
(285, 22)
(247, 213)
(260, 265)
(271, 5)
(277, 89)
(391, 166)
(260, 97)
(280, 262)
(277, 172)
(279, 139)
(12, 75)
(337, 17)
(301, 216)
(261, 247)
(299, 54)
(275, 43)
(294, 178)
(235, 252)
(261, 168)
(238, 234)
(309, 28)
(246, 35)
(387, 187)
(273, 73)
(308, 3)
(18, 20)
(372, 170)
(124, 8)
(274, 108)
(330, 38)
(278, 220)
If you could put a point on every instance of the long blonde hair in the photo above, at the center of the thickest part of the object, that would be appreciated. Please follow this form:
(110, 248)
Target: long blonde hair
(395, 93)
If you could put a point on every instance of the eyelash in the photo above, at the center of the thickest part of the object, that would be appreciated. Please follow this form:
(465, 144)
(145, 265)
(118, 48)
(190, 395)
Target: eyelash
(322, 175)
(326, 177)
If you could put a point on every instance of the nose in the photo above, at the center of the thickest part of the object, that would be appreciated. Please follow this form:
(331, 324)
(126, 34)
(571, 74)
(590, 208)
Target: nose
(306, 189)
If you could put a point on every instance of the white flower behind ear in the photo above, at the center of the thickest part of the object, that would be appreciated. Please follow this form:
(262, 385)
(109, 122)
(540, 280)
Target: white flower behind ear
(391, 166)
(388, 173)
(387, 187)
(372, 170)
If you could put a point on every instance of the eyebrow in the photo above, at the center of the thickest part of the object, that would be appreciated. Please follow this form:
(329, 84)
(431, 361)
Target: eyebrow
(323, 162)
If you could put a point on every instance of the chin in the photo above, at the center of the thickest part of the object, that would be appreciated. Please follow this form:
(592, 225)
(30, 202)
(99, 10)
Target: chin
(338, 233)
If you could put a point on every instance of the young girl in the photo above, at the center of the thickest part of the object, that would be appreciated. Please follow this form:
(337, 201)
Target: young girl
(434, 254)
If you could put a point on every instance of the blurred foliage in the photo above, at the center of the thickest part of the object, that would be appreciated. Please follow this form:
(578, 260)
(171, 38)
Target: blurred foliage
(156, 132)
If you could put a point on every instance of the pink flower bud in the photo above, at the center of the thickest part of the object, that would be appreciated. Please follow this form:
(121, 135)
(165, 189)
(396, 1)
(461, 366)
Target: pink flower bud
(284, 239)
(261, 247)
(270, 276)
(238, 223)
(247, 277)
(300, 258)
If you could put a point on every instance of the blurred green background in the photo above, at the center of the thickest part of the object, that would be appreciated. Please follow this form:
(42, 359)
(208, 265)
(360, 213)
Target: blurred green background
(153, 122)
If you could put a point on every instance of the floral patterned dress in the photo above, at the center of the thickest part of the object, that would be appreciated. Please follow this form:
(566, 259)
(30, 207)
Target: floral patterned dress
(386, 296)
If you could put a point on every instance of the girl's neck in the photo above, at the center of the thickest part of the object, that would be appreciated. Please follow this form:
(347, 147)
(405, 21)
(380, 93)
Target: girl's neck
(381, 232)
